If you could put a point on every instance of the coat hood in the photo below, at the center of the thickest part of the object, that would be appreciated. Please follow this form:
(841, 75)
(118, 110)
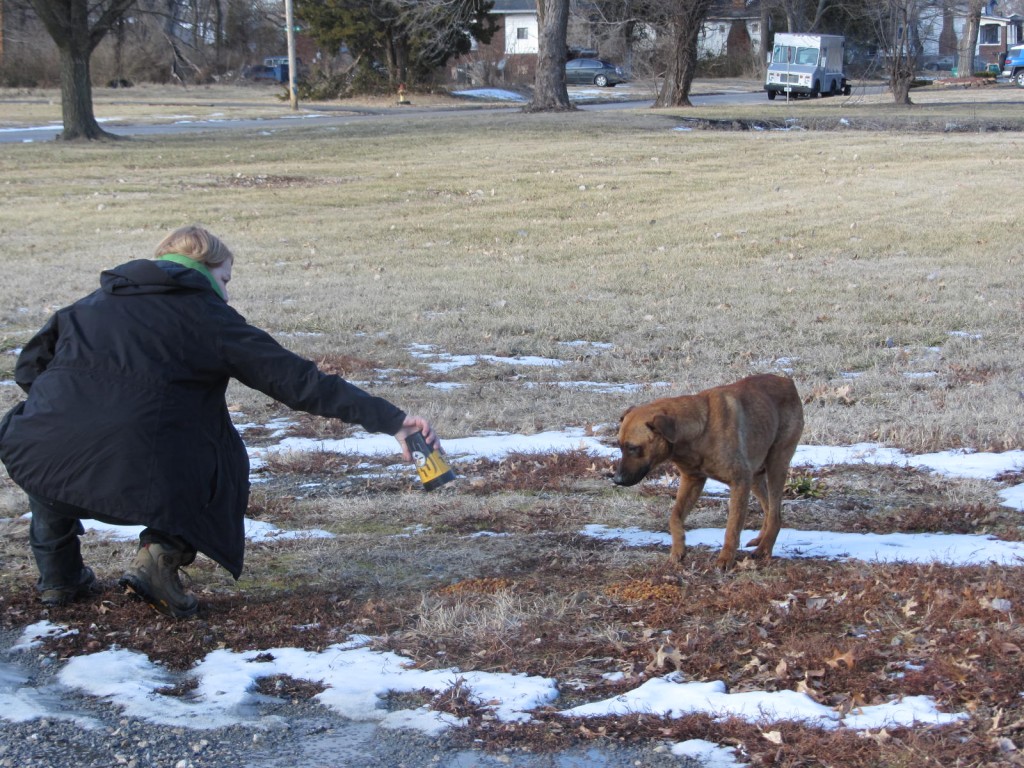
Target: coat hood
(144, 276)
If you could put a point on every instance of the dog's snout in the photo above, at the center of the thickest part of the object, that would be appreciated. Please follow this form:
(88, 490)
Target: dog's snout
(625, 476)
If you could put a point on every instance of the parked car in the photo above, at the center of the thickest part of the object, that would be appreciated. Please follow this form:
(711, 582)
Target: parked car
(593, 72)
(941, 64)
(1013, 67)
(274, 68)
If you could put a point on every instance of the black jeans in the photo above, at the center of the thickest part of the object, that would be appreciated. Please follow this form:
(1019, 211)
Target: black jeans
(53, 534)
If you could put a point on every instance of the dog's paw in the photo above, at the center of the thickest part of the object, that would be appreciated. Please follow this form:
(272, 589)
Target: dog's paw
(754, 541)
(725, 562)
(677, 562)
(677, 557)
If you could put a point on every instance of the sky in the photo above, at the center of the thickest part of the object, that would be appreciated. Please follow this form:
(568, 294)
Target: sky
(357, 677)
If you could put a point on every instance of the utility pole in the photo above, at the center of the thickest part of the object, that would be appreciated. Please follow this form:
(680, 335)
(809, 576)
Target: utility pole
(289, 20)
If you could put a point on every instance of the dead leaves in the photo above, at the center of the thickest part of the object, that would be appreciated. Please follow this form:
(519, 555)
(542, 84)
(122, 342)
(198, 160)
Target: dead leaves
(829, 394)
(666, 655)
(643, 590)
(841, 660)
(535, 472)
(773, 737)
(910, 608)
(482, 586)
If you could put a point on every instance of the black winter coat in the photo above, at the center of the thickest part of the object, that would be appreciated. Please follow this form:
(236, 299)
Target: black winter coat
(126, 417)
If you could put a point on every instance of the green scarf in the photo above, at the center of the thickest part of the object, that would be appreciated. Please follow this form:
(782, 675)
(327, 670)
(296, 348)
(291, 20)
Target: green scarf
(199, 267)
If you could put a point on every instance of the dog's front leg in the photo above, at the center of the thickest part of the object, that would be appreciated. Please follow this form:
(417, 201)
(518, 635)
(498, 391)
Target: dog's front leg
(739, 498)
(686, 498)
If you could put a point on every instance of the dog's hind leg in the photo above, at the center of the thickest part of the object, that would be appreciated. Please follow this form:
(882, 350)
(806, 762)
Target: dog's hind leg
(739, 498)
(776, 470)
(686, 498)
(760, 490)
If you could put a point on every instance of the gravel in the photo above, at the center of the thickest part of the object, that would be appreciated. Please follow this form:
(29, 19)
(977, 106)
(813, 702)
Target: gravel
(79, 731)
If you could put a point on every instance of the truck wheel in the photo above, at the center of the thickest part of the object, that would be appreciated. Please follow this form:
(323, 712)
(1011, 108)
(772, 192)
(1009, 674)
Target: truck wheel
(816, 90)
(1018, 78)
(833, 89)
(847, 90)
(771, 95)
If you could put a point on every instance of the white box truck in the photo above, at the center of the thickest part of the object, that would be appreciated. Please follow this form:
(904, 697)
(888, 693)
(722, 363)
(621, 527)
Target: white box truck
(806, 65)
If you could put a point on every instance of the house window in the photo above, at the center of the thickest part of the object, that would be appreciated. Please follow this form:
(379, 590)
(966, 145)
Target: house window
(989, 34)
(522, 33)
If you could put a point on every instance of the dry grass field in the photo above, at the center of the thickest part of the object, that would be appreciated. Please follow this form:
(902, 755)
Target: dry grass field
(881, 269)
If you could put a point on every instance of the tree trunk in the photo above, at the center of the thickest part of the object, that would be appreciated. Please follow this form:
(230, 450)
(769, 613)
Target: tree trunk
(947, 37)
(682, 66)
(77, 28)
(969, 39)
(76, 97)
(218, 39)
(119, 34)
(897, 32)
(819, 14)
(549, 91)
(766, 33)
(901, 74)
(900, 86)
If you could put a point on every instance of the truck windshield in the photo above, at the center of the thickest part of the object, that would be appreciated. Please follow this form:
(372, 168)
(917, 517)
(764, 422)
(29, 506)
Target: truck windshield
(790, 54)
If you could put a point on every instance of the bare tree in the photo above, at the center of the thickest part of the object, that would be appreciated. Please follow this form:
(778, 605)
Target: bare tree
(606, 26)
(549, 92)
(802, 15)
(968, 43)
(77, 27)
(896, 23)
(685, 19)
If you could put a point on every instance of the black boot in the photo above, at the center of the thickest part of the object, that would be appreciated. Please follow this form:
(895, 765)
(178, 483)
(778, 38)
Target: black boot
(53, 597)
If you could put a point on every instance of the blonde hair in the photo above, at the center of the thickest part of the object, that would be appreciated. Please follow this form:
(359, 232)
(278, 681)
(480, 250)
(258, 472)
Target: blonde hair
(196, 243)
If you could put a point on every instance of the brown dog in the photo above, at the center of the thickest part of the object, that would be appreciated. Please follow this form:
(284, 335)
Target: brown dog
(743, 434)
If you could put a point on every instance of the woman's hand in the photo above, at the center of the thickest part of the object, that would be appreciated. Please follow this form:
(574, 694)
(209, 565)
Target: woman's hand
(411, 425)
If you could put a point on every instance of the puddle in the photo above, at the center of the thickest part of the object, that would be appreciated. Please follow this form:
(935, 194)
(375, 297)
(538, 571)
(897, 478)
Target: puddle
(21, 702)
(343, 744)
(367, 745)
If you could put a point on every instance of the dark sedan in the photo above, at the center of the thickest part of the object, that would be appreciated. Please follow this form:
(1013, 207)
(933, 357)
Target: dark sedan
(593, 72)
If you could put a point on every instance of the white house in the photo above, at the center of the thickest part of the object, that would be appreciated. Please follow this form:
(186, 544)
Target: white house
(732, 28)
(520, 25)
(938, 33)
(732, 23)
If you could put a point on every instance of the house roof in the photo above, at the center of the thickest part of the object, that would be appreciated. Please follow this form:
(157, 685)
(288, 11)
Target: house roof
(734, 9)
(720, 9)
(514, 6)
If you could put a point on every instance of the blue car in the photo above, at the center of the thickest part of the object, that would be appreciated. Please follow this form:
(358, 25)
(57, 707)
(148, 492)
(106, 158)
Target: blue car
(593, 72)
(1013, 67)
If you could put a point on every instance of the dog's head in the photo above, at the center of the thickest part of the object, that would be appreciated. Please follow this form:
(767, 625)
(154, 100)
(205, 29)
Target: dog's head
(647, 434)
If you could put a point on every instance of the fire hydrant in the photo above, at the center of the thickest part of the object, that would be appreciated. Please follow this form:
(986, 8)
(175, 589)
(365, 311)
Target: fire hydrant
(401, 94)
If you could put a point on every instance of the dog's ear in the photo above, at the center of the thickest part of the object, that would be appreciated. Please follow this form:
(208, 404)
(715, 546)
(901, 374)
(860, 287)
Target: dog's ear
(625, 412)
(673, 428)
(664, 426)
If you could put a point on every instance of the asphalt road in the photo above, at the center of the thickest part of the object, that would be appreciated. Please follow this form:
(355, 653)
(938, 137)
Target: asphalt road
(327, 116)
